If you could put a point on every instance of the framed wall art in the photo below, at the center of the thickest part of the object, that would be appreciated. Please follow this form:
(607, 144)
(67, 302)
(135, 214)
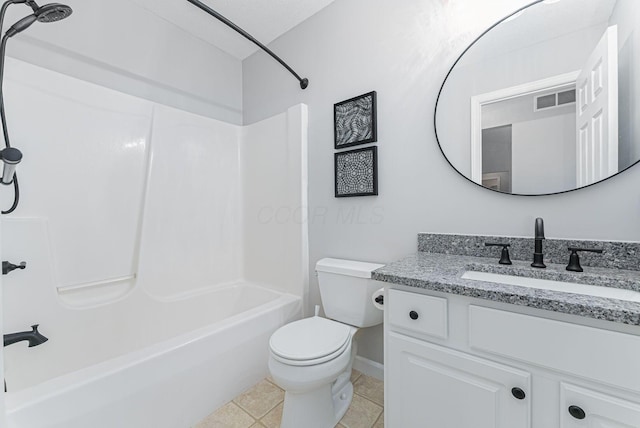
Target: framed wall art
(356, 172)
(355, 121)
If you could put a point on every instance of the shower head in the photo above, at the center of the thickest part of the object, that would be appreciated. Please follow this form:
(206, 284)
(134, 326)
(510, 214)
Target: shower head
(53, 12)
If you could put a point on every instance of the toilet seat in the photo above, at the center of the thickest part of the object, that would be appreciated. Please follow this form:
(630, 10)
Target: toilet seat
(310, 341)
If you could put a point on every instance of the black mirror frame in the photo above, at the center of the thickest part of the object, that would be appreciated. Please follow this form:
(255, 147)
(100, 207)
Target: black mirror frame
(435, 113)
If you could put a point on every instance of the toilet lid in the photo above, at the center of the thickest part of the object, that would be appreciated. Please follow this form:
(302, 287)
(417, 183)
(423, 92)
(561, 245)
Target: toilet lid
(309, 339)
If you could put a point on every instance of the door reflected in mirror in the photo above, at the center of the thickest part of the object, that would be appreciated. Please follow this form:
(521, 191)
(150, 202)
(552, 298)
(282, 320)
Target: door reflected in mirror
(546, 101)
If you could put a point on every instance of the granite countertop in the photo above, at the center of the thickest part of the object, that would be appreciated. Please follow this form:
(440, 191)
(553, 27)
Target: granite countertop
(442, 272)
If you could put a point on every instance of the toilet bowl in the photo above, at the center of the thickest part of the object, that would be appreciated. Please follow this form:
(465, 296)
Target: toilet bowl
(311, 359)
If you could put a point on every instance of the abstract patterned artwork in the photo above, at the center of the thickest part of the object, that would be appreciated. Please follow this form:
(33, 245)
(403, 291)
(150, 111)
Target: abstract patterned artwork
(355, 121)
(356, 172)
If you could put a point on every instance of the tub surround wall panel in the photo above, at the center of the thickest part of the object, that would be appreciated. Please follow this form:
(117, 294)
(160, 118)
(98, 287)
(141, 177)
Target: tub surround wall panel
(274, 186)
(3, 418)
(134, 189)
(403, 50)
(263, 168)
(85, 152)
(192, 210)
(616, 255)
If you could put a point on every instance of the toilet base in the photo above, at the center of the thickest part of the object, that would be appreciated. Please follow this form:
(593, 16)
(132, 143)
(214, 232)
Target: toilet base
(342, 401)
(319, 408)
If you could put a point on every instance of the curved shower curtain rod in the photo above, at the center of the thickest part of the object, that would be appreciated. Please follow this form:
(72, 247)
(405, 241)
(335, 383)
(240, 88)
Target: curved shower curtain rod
(304, 82)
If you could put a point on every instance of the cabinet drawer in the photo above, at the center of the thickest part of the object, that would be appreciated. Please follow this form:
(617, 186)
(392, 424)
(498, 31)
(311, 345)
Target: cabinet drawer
(591, 353)
(417, 315)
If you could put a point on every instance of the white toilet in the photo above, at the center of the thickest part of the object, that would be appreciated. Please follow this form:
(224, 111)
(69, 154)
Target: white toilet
(311, 358)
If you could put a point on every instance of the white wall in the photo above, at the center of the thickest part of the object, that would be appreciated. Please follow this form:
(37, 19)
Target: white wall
(403, 49)
(544, 155)
(551, 58)
(120, 45)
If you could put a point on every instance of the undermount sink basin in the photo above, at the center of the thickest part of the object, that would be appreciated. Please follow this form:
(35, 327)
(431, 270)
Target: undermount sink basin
(545, 284)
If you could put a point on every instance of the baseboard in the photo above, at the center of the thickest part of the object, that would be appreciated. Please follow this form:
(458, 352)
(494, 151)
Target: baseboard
(369, 367)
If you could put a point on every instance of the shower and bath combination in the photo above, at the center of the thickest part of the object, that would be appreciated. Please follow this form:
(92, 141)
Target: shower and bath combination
(11, 156)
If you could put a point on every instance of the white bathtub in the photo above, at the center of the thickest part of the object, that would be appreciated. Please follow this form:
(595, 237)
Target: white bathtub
(206, 349)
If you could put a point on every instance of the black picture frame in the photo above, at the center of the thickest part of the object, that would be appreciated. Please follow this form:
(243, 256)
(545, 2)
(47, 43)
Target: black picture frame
(337, 157)
(355, 121)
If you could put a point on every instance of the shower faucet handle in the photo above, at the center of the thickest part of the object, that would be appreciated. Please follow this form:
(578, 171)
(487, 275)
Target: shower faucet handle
(8, 267)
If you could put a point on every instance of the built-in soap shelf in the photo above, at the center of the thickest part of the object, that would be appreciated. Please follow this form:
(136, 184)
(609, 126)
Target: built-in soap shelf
(96, 293)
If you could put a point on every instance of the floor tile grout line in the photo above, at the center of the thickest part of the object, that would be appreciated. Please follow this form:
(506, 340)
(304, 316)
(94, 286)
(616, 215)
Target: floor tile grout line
(243, 409)
(247, 411)
(379, 417)
(273, 383)
(270, 410)
(368, 399)
(261, 417)
(279, 402)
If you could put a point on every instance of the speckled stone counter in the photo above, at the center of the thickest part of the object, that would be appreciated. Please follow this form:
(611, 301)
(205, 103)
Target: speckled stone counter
(443, 273)
(616, 255)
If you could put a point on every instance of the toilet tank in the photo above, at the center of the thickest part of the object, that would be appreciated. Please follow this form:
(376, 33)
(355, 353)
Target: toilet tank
(346, 289)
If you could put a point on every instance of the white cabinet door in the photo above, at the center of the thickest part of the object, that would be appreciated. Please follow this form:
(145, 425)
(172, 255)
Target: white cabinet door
(590, 409)
(429, 386)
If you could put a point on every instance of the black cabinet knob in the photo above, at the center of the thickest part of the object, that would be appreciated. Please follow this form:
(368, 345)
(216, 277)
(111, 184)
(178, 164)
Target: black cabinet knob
(577, 412)
(380, 300)
(413, 315)
(518, 393)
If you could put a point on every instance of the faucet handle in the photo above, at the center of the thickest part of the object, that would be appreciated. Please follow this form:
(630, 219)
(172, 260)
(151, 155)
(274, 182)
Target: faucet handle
(504, 257)
(8, 267)
(574, 259)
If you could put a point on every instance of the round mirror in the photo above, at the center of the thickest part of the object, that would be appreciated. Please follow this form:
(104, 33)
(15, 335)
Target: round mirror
(546, 100)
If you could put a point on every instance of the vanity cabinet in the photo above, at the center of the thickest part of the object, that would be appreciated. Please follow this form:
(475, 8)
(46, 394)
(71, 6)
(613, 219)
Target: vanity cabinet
(458, 362)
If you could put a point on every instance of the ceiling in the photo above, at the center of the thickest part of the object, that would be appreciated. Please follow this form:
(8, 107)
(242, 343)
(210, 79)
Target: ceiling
(265, 20)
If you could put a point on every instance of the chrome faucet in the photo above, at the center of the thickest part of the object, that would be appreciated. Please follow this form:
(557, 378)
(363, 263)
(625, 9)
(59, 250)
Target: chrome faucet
(538, 256)
(33, 337)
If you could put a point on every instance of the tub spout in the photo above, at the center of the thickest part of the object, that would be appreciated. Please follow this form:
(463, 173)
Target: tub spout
(33, 337)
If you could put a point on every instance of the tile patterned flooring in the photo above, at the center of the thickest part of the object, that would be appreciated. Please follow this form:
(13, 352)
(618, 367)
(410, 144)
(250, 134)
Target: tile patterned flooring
(261, 407)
